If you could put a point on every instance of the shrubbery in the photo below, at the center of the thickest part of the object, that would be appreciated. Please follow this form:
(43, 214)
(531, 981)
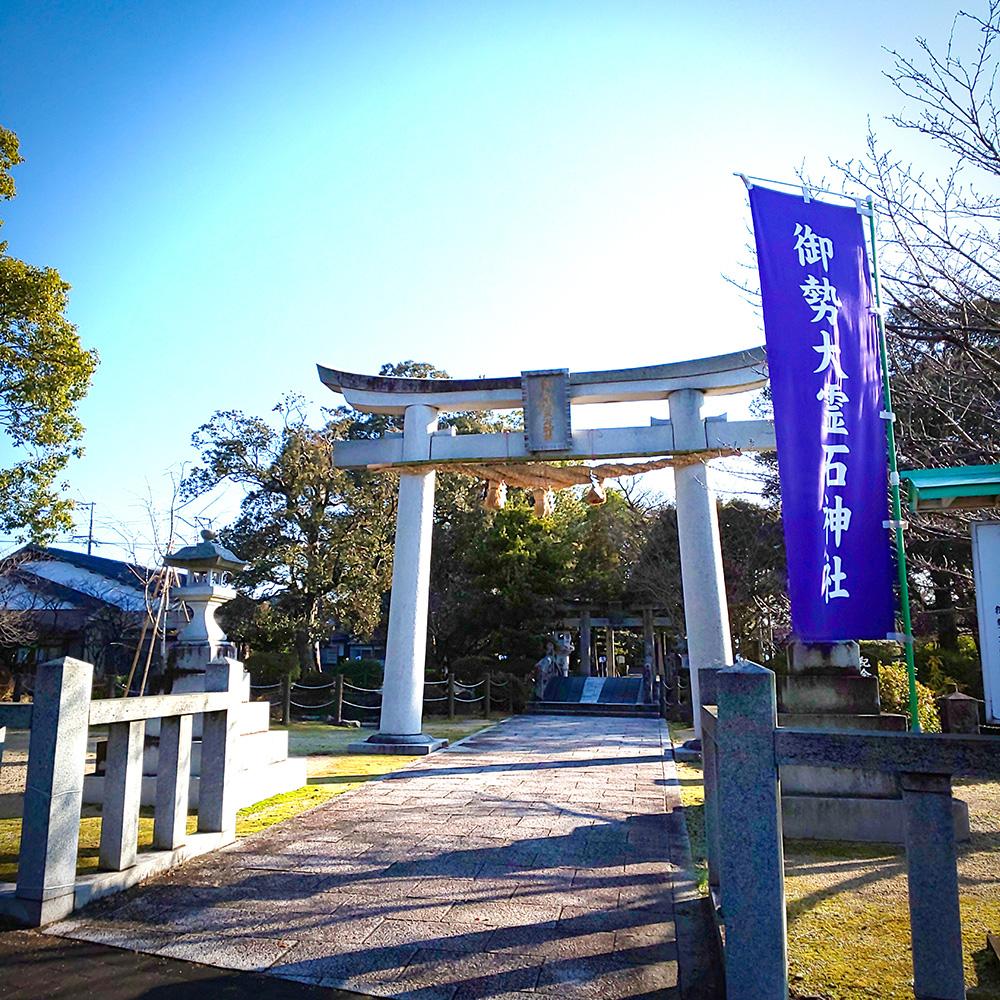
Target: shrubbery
(943, 670)
(272, 667)
(940, 669)
(361, 673)
(894, 693)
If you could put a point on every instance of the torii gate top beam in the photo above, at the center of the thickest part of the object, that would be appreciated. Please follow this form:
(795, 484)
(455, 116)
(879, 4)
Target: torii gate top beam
(725, 373)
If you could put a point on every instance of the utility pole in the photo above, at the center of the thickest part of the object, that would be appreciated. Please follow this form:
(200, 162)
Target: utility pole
(90, 529)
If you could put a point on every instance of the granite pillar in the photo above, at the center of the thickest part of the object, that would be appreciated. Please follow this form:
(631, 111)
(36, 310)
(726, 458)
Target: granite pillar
(932, 880)
(749, 846)
(706, 611)
(57, 752)
(403, 684)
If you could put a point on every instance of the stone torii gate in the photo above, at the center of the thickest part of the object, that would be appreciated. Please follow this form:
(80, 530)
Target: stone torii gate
(688, 439)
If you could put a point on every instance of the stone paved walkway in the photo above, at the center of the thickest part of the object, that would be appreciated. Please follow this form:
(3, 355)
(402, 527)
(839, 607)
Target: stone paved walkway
(543, 857)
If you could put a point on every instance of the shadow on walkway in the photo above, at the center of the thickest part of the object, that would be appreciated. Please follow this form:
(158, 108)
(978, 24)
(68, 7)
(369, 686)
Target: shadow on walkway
(563, 876)
(36, 966)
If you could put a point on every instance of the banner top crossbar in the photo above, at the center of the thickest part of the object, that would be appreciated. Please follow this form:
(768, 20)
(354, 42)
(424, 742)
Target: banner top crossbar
(864, 205)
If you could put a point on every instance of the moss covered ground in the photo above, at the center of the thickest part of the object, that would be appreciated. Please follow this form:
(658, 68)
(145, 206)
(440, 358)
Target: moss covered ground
(848, 916)
(331, 770)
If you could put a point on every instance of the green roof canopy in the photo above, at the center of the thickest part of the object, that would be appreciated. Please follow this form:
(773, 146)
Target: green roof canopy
(968, 487)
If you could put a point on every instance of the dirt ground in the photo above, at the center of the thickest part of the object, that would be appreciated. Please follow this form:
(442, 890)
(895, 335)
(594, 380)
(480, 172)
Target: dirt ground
(848, 916)
(14, 768)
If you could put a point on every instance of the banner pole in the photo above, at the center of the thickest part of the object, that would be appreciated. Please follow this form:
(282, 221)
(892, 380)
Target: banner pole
(897, 507)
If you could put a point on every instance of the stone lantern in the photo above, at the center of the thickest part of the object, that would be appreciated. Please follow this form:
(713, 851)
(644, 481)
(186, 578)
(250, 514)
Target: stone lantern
(959, 713)
(209, 566)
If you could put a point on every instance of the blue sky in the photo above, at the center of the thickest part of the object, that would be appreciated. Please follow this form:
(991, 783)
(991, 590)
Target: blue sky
(237, 191)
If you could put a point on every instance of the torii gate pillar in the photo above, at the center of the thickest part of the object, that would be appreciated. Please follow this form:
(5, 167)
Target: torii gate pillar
(706, 610)
(406, 646)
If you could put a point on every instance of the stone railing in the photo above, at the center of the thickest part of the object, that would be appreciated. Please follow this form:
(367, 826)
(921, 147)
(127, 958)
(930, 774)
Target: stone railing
(743, 749)
(47, 885)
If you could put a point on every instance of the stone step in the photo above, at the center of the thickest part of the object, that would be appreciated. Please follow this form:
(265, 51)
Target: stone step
(866, 820)
(845, 694)
(255, 717)
(252, 750)
(253, 785)
(828, 720)
(594, 690)
(596, 709)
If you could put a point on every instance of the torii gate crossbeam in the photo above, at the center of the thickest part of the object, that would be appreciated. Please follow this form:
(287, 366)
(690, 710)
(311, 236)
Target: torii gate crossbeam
(546, 398)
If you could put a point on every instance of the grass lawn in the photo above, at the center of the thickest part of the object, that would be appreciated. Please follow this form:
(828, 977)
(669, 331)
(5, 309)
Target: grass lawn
(848, 917)
(331, 770)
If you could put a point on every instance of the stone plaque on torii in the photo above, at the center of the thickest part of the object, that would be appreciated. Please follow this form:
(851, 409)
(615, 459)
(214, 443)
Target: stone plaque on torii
(686, 440)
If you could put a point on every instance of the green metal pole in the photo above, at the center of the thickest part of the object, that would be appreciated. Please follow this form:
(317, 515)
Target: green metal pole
(897, 507)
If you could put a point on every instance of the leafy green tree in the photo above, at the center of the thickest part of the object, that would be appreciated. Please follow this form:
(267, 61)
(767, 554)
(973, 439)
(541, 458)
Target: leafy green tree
(318, 539)
(894, 696)
(498, 580)
(44, 374)
(501, 580)
(606, 542)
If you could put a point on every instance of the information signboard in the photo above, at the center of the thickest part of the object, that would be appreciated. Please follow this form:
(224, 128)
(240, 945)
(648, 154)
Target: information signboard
(986, 565)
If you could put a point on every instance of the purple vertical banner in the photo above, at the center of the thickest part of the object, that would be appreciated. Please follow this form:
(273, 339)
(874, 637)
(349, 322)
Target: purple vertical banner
(826, 383)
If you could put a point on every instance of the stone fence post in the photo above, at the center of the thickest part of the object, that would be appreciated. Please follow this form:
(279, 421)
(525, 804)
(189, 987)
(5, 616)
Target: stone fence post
(123, 790)
(932, 881)
(173, 781)
(57, 753)
(748, 817)
(217, 794)
(338, 700)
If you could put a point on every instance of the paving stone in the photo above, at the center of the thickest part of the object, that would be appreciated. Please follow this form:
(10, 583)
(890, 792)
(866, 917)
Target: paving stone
(549, 941)
(654, 899)
(338, 934)
(247, 954)
(353, 908)
(473, 977)
(359, 969)
(604, 978)
(540, 893)
(117, 934)
(501, 914)
(431, 934)
(549, 875)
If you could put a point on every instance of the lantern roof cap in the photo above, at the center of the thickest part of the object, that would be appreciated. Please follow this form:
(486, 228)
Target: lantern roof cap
(207, 555)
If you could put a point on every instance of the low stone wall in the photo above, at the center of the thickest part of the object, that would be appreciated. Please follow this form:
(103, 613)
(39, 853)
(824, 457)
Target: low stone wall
(47, 886)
